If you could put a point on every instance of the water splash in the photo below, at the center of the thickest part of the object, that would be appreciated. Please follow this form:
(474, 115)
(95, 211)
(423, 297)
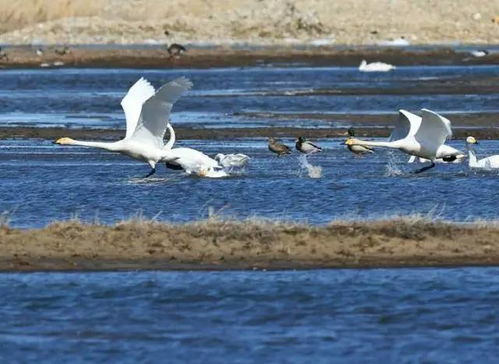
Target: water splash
(391, 168)
(313, 171)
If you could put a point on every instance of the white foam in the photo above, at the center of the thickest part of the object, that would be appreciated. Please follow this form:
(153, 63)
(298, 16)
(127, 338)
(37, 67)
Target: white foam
(313, 171)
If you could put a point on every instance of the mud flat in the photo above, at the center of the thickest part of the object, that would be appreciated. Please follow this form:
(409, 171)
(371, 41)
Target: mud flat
(218, 244)
(141, 56)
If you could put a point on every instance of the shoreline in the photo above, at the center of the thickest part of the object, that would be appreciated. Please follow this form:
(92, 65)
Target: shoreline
(22, 56)
(215, 244)
(187, 133)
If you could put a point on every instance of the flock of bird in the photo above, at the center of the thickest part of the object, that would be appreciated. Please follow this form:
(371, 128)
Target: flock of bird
(147, 115)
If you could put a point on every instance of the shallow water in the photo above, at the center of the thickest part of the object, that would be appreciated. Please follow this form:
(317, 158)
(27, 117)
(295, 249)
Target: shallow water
(91, 97)
(332, 316)
(41, 182)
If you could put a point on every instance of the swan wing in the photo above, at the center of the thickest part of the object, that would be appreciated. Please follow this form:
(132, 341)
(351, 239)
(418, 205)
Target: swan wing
(193, 160)
(433, 132)
(155, 113)
(133, 101)
(407, 125)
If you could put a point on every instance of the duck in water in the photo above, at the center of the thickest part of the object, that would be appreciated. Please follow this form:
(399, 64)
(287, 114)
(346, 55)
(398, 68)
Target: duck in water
(278, 148)
(359, 150)
(306, 147)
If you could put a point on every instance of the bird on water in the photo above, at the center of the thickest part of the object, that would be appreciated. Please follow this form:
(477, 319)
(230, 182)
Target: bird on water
(278, 148)
(359, 150)
(306, 147)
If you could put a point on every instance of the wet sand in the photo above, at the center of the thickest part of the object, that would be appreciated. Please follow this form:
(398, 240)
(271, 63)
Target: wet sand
(366, 129)
(157, 57)
(216, 244)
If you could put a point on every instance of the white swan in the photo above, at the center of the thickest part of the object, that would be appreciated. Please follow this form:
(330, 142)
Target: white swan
(491, 162)
(237, 160)
(147, 113)
(191, 160)
(409, 123)
(423, 141)
(375, 67)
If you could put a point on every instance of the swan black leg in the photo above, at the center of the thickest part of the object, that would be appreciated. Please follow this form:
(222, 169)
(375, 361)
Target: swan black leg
(150, 173)
(425, 168)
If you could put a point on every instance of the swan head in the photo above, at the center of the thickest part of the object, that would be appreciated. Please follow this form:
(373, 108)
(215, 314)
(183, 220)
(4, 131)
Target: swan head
(471, 140)
(219, 157)
(64, 140)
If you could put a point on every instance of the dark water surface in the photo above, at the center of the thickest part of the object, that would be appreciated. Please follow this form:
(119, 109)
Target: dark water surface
(331, 316)
(41, 182)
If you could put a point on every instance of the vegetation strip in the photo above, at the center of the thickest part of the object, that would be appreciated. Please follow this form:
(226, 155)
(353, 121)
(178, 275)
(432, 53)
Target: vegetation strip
(226, 244)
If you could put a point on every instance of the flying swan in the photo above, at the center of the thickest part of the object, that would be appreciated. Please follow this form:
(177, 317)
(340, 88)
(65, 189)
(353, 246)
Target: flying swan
(412, 122)
(147, 113)
(491, 162)
(421, 141)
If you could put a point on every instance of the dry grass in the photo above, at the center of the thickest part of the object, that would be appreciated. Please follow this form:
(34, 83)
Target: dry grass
(222, 244)
(347, 21)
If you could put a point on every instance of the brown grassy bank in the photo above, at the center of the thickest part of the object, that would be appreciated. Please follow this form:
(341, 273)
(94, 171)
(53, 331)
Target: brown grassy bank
(270, 21)
(215, 244)
(157, 57)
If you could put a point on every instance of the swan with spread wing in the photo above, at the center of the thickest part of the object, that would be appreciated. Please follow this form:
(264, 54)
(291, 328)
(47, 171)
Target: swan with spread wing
(421, 137)
(147, 113)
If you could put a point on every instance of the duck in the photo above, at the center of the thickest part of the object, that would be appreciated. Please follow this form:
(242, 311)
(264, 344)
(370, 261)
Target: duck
(176, 50)
(278, 148)
(237, 160)
(359, 150)
(375, 66)
(491, 162)
(62, 51)
(306, 147)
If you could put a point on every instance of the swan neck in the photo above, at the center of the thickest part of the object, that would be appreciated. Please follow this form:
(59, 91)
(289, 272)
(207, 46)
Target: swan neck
(113, 146)
(171, 140)
(370, 143)
(472, 160)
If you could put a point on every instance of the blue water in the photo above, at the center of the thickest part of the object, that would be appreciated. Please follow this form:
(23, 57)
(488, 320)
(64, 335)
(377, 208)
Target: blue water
(41, 182)
(322, 316)
(90, 98)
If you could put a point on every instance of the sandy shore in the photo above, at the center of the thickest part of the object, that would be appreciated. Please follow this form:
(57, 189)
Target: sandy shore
(215, 244)
(359, 22)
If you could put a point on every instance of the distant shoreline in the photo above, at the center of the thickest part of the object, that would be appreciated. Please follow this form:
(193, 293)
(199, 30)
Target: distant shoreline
(23, 56)
(483, 131)
(221, 245)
